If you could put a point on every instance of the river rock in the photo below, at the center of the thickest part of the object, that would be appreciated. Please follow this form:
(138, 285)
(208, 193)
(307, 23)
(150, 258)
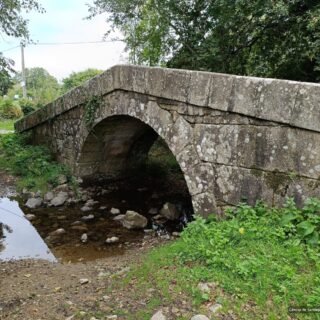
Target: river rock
(60, 199)
(79, 228)
(215, 307)
(85, 208)
(153, 211)
(112, 240)
(199, 317)
(134, 220)
(91, 203)
(62, 179)
(159, 316)
(48, 196)
(30, 216)
(84, 238)
(34, 203)
(114, 211)
(88, 217)
(169, 211)
(120, 217)
(58, 232)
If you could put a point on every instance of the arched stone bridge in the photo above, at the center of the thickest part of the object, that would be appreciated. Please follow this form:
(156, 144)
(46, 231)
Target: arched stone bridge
(233, 137)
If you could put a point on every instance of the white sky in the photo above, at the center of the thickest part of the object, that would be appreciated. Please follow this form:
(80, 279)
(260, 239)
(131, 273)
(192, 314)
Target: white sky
(64, 22)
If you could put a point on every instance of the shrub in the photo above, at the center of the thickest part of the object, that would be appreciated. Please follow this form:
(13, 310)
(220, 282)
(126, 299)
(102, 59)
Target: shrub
(9, 109)
(32, 164)
(27, 106)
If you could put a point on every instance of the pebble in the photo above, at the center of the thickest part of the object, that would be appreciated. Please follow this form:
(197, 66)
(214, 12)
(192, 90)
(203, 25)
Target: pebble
(58, 232)
(85, 208)
(199, 317)
(215, 307)
(114, 211)
(112, 240)
(153, 211)
(84, 281)
(88, 217)
(30, 216)
(84, 238)
(159, 316)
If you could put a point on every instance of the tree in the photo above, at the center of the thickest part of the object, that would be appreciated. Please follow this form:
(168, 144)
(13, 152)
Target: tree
(248, 37)
(13, 24)
(41, 86)
(77, 78)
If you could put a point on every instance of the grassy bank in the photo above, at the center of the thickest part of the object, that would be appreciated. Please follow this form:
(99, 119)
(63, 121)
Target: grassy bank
(32, 165)
(259, 261)
(7, 124)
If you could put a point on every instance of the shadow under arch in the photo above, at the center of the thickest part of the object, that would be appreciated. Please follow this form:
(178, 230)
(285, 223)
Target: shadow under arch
(123, 148)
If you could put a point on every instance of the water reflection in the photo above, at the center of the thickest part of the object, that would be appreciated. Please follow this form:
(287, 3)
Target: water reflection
(21, 240)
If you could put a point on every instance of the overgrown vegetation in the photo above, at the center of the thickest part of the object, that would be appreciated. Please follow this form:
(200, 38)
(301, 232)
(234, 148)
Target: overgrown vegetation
(7, 125)
(33, 165)
(91, 107)
(260, 261)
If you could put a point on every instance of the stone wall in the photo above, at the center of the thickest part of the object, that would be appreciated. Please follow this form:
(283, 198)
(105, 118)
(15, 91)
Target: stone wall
(234, 137)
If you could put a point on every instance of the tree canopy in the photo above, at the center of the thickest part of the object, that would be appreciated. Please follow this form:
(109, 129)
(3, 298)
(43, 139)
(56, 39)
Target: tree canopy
(248, 37)
(13, 24)
(42, 87)
(77, 78)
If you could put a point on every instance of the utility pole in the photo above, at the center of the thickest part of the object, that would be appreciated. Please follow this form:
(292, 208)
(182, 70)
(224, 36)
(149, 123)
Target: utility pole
(23, 82)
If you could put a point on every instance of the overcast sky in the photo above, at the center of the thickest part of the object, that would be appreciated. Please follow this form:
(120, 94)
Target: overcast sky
(64, 22)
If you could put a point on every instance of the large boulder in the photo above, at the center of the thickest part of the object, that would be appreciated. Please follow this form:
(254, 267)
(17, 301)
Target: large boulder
(60, 199)
(34, 203)
(169, 211)
(134, 220)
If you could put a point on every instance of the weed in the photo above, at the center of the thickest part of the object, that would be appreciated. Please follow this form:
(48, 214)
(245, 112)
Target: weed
(33, 165)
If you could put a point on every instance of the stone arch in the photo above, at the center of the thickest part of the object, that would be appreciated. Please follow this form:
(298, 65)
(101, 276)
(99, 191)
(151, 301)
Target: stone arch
(123, 131)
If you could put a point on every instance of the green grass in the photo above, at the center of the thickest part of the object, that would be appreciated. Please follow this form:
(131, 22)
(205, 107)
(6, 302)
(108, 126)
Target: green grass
(33, 165)
(7, 124)
(260, 265)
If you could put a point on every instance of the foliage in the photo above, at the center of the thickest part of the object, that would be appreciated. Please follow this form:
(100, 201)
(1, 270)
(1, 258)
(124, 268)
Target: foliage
(258, 268)
(9, 109)
(5, 75)
(42, 87)
(7, 125)
(33, 165)
(77, 78)
(27, 106)
(263, 38)
(90, 108)
(14, 24)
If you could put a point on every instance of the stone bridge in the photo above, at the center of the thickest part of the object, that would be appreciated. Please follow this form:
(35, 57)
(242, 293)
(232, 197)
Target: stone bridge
(234, 137)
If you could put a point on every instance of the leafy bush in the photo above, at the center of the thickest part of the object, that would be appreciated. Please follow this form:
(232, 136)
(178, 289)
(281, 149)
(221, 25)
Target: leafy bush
(10, 109)
(32, 164)
(27, 106)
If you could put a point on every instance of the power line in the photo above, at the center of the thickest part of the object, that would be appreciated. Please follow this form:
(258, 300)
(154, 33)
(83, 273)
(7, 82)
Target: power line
(15, 47)
(64, 43)
(77, 42)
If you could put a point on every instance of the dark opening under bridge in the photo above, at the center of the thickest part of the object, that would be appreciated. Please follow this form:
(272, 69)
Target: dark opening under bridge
(232, 136)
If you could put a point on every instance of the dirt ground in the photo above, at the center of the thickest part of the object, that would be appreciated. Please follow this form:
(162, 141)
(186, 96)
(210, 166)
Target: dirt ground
(32, 290)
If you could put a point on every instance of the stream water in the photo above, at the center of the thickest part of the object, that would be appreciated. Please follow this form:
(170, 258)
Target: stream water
(39, 238)
(21, 240)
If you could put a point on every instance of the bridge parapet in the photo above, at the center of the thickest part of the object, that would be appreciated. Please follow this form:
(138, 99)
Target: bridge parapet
(287, 102)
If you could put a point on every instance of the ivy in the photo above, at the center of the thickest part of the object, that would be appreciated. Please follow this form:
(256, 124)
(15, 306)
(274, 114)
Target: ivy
(90, 109)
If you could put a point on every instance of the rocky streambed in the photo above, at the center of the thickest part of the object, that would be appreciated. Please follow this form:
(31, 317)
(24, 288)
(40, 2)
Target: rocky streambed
(105, 219)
